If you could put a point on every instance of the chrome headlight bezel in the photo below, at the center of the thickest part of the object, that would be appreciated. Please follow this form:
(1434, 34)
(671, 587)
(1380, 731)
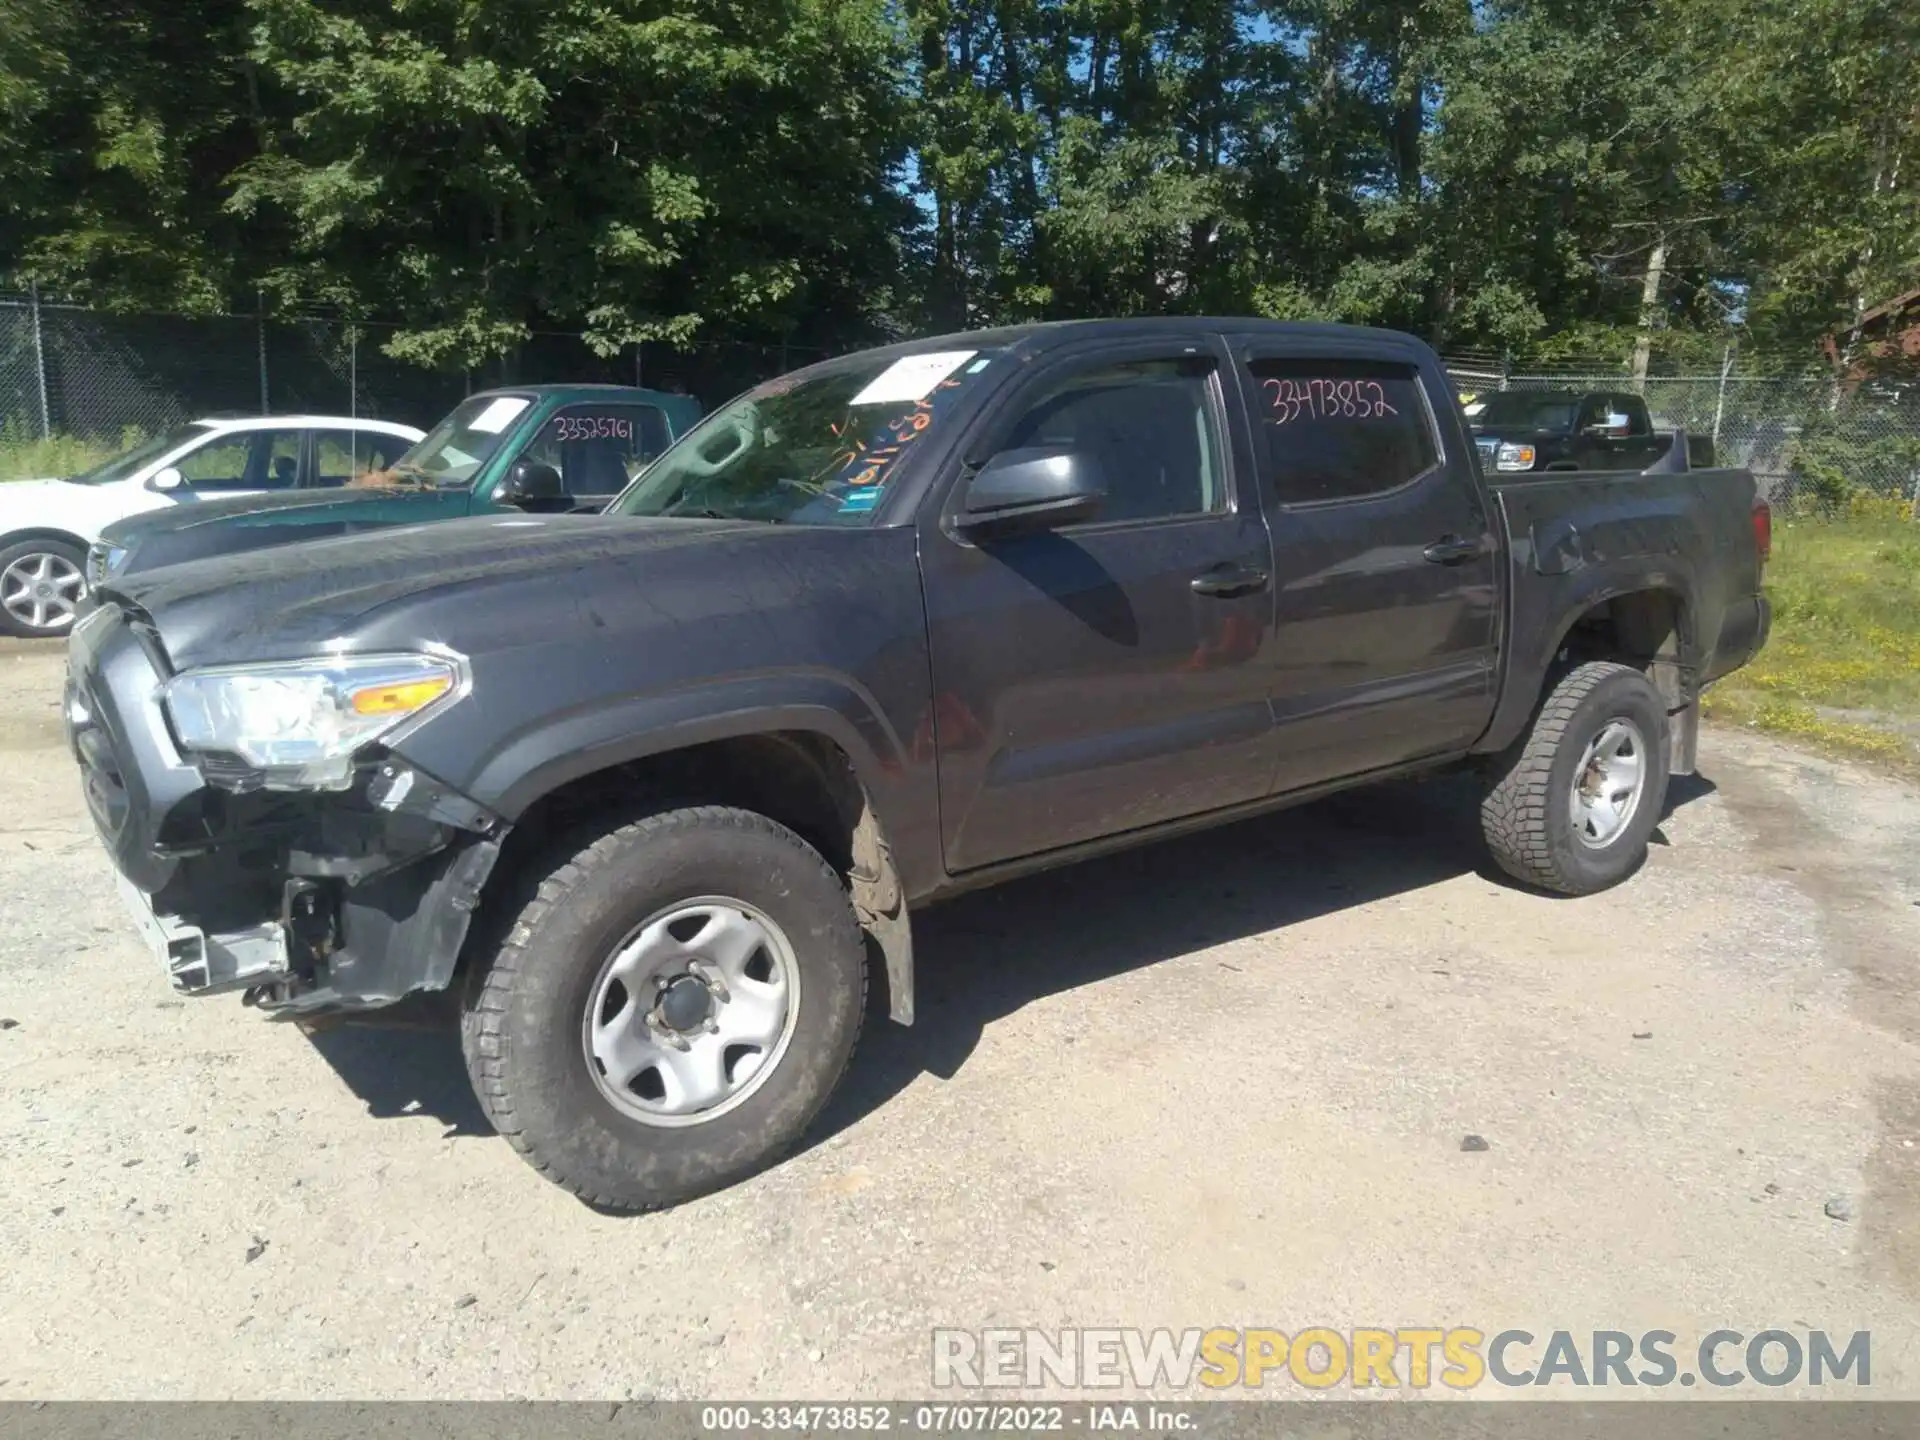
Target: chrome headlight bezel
(1513, 457)
(302, 724)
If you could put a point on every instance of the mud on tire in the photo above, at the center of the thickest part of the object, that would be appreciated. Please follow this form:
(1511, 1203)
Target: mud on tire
(526, 1004)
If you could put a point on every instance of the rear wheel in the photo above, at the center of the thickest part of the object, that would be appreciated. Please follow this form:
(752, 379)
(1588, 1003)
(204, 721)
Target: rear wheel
(1574, 800)
(670, 1008)
(41, 582)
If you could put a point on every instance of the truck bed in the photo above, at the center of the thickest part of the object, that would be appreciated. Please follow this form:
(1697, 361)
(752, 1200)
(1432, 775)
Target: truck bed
(1576, 538)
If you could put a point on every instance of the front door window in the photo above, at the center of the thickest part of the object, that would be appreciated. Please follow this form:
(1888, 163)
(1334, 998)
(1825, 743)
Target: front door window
(599, 448)
(245, 461)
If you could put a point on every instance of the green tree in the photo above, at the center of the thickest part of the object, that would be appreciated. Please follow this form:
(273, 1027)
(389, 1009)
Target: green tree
(640, 169)
(1821, 100)
(1642, 179)
(122, 123)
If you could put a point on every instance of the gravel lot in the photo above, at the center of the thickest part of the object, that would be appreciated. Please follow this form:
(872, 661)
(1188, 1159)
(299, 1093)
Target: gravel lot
(1220, 1082)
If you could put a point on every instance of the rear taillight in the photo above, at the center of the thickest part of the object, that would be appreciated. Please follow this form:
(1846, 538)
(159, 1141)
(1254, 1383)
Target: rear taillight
(1763, 530)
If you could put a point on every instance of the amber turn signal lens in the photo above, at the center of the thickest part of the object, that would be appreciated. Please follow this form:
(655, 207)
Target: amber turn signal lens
(400, 699)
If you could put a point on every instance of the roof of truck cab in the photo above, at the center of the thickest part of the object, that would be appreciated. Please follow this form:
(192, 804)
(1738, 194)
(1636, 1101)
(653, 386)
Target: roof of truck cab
(596, 390)
(1045, 335)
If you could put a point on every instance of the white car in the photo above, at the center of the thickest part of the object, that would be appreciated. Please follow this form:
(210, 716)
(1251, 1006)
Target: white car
(47, 525)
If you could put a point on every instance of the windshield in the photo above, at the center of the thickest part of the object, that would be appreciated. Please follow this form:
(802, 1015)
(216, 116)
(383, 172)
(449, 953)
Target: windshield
(450, 453)
(812, 450)
(145, 453)
(1517, 410)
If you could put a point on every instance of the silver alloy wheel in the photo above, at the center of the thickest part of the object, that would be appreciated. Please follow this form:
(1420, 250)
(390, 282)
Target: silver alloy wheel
(692, 1012)
(1608, 786)
(42, 590)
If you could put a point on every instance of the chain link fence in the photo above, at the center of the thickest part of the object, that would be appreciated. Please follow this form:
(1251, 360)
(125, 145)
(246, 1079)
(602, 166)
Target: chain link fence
(1815, 447)
(69, 371)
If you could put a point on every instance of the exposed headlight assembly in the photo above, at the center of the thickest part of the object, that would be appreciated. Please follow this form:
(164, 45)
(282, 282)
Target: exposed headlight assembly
(301, 722)
(104, 561)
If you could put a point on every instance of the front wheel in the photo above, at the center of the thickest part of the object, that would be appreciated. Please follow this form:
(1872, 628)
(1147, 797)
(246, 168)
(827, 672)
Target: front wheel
(1574, 800)
(670, 1009)
(41, 585)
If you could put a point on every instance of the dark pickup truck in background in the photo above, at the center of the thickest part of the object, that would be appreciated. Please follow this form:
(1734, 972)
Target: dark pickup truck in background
(657, 789)
(1520, 431)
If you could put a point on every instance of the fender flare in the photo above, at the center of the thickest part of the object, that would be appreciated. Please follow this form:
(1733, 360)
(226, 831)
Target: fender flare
(537, 762)
(1530, 657)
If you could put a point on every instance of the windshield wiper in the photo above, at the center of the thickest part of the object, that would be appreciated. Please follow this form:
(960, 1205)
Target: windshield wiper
(708, 513)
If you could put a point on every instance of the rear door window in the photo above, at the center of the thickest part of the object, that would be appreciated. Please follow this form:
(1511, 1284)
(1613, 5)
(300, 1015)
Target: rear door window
(247, 460)
(1332, 430)
(218, 465)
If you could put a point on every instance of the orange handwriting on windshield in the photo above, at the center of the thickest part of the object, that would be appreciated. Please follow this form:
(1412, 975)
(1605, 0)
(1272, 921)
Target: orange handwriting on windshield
(898, 435)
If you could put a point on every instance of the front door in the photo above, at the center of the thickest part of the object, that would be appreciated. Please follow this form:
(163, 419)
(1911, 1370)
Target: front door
(1106, 675)
(1385, 566)
(241, 462)
(596, 448)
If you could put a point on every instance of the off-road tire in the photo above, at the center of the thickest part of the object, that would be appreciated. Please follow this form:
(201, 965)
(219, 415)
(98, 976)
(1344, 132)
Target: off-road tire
(1527, 813)
(524, 1004)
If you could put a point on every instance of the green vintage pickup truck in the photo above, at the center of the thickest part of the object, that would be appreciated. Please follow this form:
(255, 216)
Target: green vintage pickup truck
(542, 449)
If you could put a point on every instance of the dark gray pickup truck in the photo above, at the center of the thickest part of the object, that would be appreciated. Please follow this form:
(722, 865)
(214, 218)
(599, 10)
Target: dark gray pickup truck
(657, 790)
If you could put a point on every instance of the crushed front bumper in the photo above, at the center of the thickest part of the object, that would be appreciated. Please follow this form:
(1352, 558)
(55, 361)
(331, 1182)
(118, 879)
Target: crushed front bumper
(201, 964)
(307, 901)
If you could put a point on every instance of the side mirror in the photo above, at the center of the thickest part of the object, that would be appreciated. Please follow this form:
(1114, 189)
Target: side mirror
(1614, 427)
(527, 482)
(1032, 489)
(167, 479)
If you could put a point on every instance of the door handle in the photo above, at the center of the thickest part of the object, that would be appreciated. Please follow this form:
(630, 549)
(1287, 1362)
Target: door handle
(1224, 582)
(1451, 550)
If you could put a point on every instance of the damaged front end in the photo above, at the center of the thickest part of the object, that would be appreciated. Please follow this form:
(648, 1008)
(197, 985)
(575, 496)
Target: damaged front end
(266, 839)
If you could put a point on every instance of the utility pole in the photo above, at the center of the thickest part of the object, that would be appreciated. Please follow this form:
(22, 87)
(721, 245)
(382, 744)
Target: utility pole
(1649, 301)
(260, 337)
(1720, 404)
(39, 358)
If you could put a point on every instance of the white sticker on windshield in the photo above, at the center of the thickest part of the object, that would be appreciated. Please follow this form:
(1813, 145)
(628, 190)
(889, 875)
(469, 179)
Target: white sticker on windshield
(497, 416)
(912, 378)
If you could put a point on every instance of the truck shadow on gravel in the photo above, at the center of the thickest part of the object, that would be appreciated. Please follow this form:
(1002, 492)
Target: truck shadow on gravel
(404, 1063)
(984, 956)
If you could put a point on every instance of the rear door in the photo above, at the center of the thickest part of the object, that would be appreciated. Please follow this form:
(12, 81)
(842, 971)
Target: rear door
(1109, 675)
(1385, 561)
(243, 462)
